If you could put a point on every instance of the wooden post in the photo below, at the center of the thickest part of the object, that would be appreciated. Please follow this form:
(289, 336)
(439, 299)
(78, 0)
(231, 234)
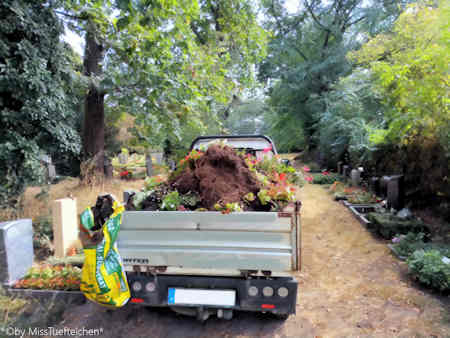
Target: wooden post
(65, 225)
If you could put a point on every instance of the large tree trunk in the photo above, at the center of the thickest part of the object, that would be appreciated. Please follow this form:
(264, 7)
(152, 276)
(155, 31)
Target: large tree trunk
(94, 117)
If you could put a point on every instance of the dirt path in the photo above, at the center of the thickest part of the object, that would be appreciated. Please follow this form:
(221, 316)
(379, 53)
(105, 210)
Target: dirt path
(350, 286)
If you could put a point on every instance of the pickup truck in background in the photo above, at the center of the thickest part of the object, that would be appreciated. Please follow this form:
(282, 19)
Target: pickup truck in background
(209, 263)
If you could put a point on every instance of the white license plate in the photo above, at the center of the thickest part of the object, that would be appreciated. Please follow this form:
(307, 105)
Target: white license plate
(201, 297)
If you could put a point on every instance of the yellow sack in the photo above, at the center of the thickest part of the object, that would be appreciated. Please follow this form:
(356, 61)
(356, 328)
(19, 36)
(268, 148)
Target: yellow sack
(103, 279)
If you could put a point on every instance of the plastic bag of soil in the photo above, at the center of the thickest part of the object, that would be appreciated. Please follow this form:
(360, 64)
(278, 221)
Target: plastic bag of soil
(103, 279)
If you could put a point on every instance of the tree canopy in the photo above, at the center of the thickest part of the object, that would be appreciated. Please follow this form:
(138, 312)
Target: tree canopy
(36, 109)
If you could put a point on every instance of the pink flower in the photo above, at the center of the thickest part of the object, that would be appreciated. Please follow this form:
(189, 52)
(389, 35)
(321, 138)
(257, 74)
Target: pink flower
(309, 178)
(305, 168)
(325, 173)
(282, 176)
(266, 150)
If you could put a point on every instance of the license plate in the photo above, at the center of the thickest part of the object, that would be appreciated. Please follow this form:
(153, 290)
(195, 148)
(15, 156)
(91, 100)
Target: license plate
(201, 297)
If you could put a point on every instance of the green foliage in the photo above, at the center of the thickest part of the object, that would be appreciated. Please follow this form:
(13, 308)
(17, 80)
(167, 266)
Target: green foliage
(190, 199)
(328, 178)
(36, 114)
(171, 201)
(411, 70)
(405, 245)
(389, 225)
(353, 112)
(429, 267)
(175, 66)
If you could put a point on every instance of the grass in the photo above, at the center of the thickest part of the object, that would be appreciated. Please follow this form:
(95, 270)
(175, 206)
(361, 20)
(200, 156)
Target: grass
(36, 201)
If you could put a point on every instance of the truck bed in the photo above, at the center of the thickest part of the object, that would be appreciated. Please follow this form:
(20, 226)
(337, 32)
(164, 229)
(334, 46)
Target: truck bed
(192, 242)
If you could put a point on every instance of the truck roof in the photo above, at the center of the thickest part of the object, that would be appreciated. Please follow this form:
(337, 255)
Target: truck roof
(254, 142)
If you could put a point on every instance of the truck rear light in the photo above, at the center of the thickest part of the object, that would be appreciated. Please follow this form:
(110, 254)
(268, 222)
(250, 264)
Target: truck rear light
(267, 291)
(150, 286)
(252, 291)
(268, 306)
(283, 292)
(136, 300)
(136, 286)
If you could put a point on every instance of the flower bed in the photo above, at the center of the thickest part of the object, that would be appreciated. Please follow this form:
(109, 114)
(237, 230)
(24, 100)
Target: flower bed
(47, 277)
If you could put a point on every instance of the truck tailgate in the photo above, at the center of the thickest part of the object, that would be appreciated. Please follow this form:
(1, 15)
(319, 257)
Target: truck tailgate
(211, 240)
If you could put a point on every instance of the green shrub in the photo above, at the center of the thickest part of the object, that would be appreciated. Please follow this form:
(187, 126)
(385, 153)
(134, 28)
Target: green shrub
(325, 178)
(429, 267)
(388, 225)
(405, 245)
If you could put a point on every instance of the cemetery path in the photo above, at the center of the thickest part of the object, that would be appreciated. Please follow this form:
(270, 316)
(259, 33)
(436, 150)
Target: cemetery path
(350, 286)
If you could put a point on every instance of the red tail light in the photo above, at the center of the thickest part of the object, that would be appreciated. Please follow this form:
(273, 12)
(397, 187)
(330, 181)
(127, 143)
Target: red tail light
(136, 300)
(268, 306)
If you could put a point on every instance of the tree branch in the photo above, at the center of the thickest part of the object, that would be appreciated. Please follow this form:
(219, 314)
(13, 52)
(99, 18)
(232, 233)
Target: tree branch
(75, 17)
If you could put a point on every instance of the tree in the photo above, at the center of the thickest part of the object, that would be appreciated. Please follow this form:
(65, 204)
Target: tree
(307, 55)
(411, 69)
(36, 115)
(166, 63)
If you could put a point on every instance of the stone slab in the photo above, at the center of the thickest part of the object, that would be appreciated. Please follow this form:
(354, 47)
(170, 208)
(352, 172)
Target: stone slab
(16, 249)
(65, 225)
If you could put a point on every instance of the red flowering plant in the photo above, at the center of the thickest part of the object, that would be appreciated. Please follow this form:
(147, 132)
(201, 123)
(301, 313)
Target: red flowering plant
(125, 174)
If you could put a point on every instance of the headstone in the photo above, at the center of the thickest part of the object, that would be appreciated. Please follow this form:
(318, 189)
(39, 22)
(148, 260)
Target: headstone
(158, 157)
(51, 172)
(65, 225)
(339, 167)
(108, 168)
(123, 158)
(356, 177)
(346, 171)
(383, 185)
(395, 192)
(148, 165)
(374, 185)
(16, 250)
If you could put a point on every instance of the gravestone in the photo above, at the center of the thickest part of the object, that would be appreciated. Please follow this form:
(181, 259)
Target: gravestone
(51, 172)
(339, 167)
(65, 225)
(374, 185)
(383, 185)
(158, 157)
(123, 158)
(346, 171)
(356, 177)
(148, 165)
(395, 192)
(16, 250)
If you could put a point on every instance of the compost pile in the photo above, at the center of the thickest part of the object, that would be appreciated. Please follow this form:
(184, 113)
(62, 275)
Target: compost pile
(219, 179)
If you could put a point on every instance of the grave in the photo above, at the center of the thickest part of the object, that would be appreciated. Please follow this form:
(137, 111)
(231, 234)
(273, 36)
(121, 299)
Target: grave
(65, 225)
(148, 165)
(16, 250)
(355, 175)
(395, 192)
(346, 171)
(374, 185)
(339, 167)
(383, 185)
